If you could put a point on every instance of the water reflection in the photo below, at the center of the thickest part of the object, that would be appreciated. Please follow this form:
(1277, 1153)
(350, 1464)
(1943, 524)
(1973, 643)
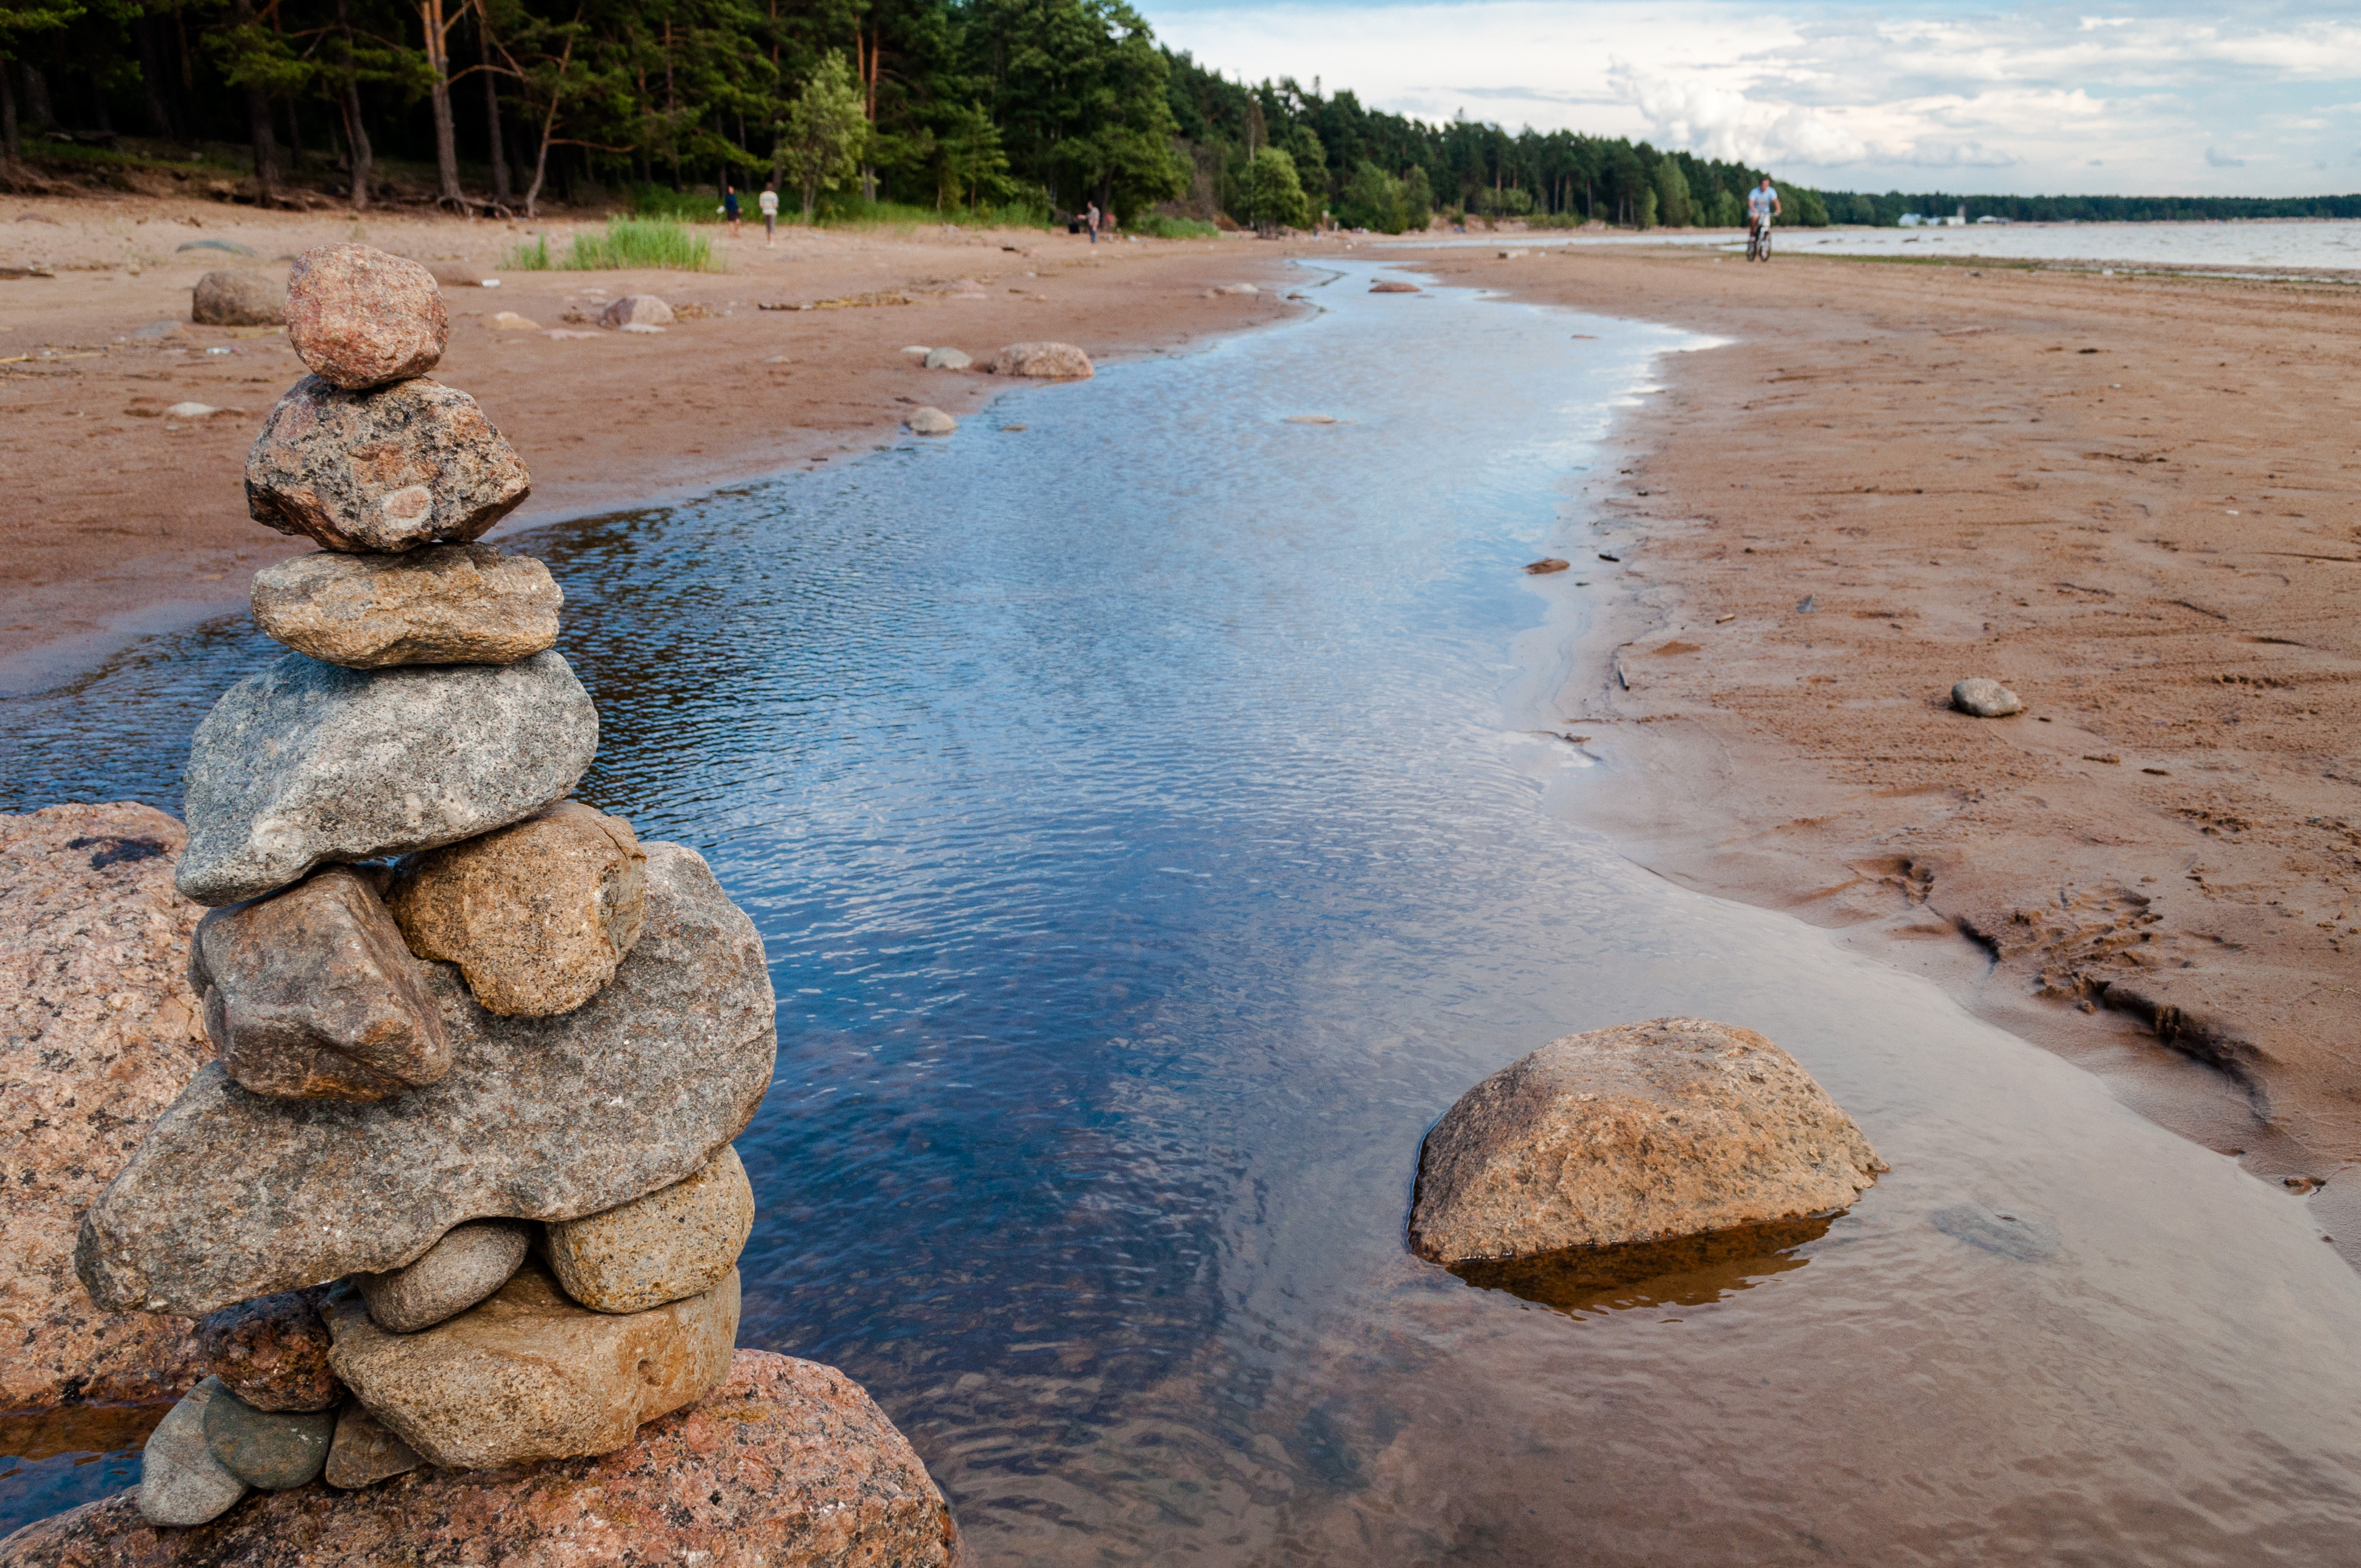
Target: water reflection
(59, 1459)
(1679, 1271)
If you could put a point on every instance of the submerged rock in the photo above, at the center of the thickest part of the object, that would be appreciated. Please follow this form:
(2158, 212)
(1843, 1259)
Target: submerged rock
(234, 1196)
(664, 1247)
(1634, 1133)
(305, 762)
(389, 469)
(310, 995)
(271, 1352)
(1985, 699)
(238, 296)
(536, 915)
(181, 1482)
(468, 1264)
(447, 604)
(530, 1375)
(1043, 361)
(787, 1463)
(359, 317)
(102, 1032)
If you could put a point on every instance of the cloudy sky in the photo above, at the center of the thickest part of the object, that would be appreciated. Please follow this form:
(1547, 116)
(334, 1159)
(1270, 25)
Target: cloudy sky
(2265, 100)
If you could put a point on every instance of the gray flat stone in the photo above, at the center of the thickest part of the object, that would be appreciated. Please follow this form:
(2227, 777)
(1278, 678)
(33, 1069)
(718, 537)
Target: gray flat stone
(270, 1450)
(181, 1482)
(234, 1196)
(468, 1264)
(304, 763)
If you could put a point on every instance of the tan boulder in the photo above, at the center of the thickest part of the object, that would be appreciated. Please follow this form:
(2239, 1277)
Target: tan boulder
(101, 1032)
(360, 318)
(310, 995)
(447, 604)
(1634, 1133)
(363, 1452)
(1043, 361)
(530, 1375)
(536, 915)
(673, 1243)
(238, 296)
(787, 1464)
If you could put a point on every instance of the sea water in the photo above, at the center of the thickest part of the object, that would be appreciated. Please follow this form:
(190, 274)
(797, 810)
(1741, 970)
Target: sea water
(1154, 813)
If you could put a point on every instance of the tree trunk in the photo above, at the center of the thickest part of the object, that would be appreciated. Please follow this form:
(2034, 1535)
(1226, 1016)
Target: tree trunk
(36, 99)
(152, 79)
(349, 100)
(492, 116)
(257, 120)
(12, 144)
(438, 65)
(294, 139)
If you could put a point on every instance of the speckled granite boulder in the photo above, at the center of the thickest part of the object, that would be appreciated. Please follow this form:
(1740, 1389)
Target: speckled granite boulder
(1983, 698)
(271, 1352)
(310, 995)
(1634, 1133)
(413, 464)
(787, 1464)
(98, 1032)
(361, 318)
(1043, 361)
(232, 1196)
(664, 1247)
(530, 1375)
(536, 915)
(468, 1264)
(181, 1482)
(304, 762)
(238, 296)
(445, 604)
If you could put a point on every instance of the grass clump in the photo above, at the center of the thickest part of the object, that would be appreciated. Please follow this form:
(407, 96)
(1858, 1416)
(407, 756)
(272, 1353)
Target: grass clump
(625, 243)
(1156, 225)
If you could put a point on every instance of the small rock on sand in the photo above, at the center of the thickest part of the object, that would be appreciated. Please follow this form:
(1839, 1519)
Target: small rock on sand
(509, 321)
(946, 359)
(160, 329)
(931, 422)
(457, 275)
(359, 317)
(1636, 1133)
(1237, 289)
(636, 310)
(1985, 699)
(917, 351)
(1043, 361)
(238, 296)
(190, 411)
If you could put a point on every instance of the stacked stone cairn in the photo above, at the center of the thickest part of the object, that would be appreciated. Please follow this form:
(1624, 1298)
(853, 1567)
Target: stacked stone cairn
(459, 1191)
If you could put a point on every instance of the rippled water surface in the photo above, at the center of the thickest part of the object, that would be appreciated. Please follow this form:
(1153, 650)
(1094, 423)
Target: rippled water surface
(1147, 817)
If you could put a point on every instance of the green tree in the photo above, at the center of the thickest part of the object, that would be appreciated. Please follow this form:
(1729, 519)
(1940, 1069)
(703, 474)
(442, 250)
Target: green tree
(825, 132)
(20, 25)
(1673, 204)
(1418, 200)
(1372, 200)
(1078, 91)
(1644, 209)
(1274, 196)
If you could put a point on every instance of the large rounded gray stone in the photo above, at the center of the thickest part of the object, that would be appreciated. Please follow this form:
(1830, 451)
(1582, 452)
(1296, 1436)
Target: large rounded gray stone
(238, 296)
(468, 1264)
(232, 1196)
(1634, 1133)
(181, 1482)
(305, 762)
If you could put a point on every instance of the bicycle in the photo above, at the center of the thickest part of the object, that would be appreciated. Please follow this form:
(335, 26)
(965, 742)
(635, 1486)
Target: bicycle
(1758, 241)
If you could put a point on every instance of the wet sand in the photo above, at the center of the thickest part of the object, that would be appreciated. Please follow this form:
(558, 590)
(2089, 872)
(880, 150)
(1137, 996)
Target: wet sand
(2129, 499)
(124, 522)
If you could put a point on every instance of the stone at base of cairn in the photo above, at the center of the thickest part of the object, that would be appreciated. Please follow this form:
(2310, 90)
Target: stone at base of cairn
(787, 1464)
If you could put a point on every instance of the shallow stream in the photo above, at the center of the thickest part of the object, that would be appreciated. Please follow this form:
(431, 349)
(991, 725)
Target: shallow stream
(1149, 806)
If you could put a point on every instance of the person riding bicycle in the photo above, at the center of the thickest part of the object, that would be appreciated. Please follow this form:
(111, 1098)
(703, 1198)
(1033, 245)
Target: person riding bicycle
(1762, 206)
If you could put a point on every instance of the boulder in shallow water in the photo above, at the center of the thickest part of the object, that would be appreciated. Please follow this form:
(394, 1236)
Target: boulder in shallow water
(234, 1196)
(305, 762)
(1985, 699)
(787, 1464)
(1043, 361)
(447, 604)
(181, 1482)
(310, 995)
(388, 470)
(530, 1375)
(238, 296)
(931, 422)
(1392, 286)
(1634, 1133)
(536, 915)
(664, 1247)
(359, 317)
(271, 1352)
(468, 1264)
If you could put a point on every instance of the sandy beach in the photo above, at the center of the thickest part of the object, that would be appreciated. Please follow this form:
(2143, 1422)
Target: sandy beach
(2130, 501)
(127, 521)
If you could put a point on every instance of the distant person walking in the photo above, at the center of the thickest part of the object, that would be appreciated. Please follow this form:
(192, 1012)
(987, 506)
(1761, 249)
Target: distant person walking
(730, 207)
(769, 202)
(1090, 216)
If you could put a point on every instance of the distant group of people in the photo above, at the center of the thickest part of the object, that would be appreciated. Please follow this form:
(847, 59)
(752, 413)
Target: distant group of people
(768, 203)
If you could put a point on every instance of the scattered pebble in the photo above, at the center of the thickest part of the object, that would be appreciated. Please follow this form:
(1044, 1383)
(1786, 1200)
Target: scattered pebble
(1545, 566)
(1985, 698)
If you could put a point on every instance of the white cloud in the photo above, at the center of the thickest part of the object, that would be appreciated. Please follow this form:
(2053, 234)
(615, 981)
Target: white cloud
(1842, 94)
